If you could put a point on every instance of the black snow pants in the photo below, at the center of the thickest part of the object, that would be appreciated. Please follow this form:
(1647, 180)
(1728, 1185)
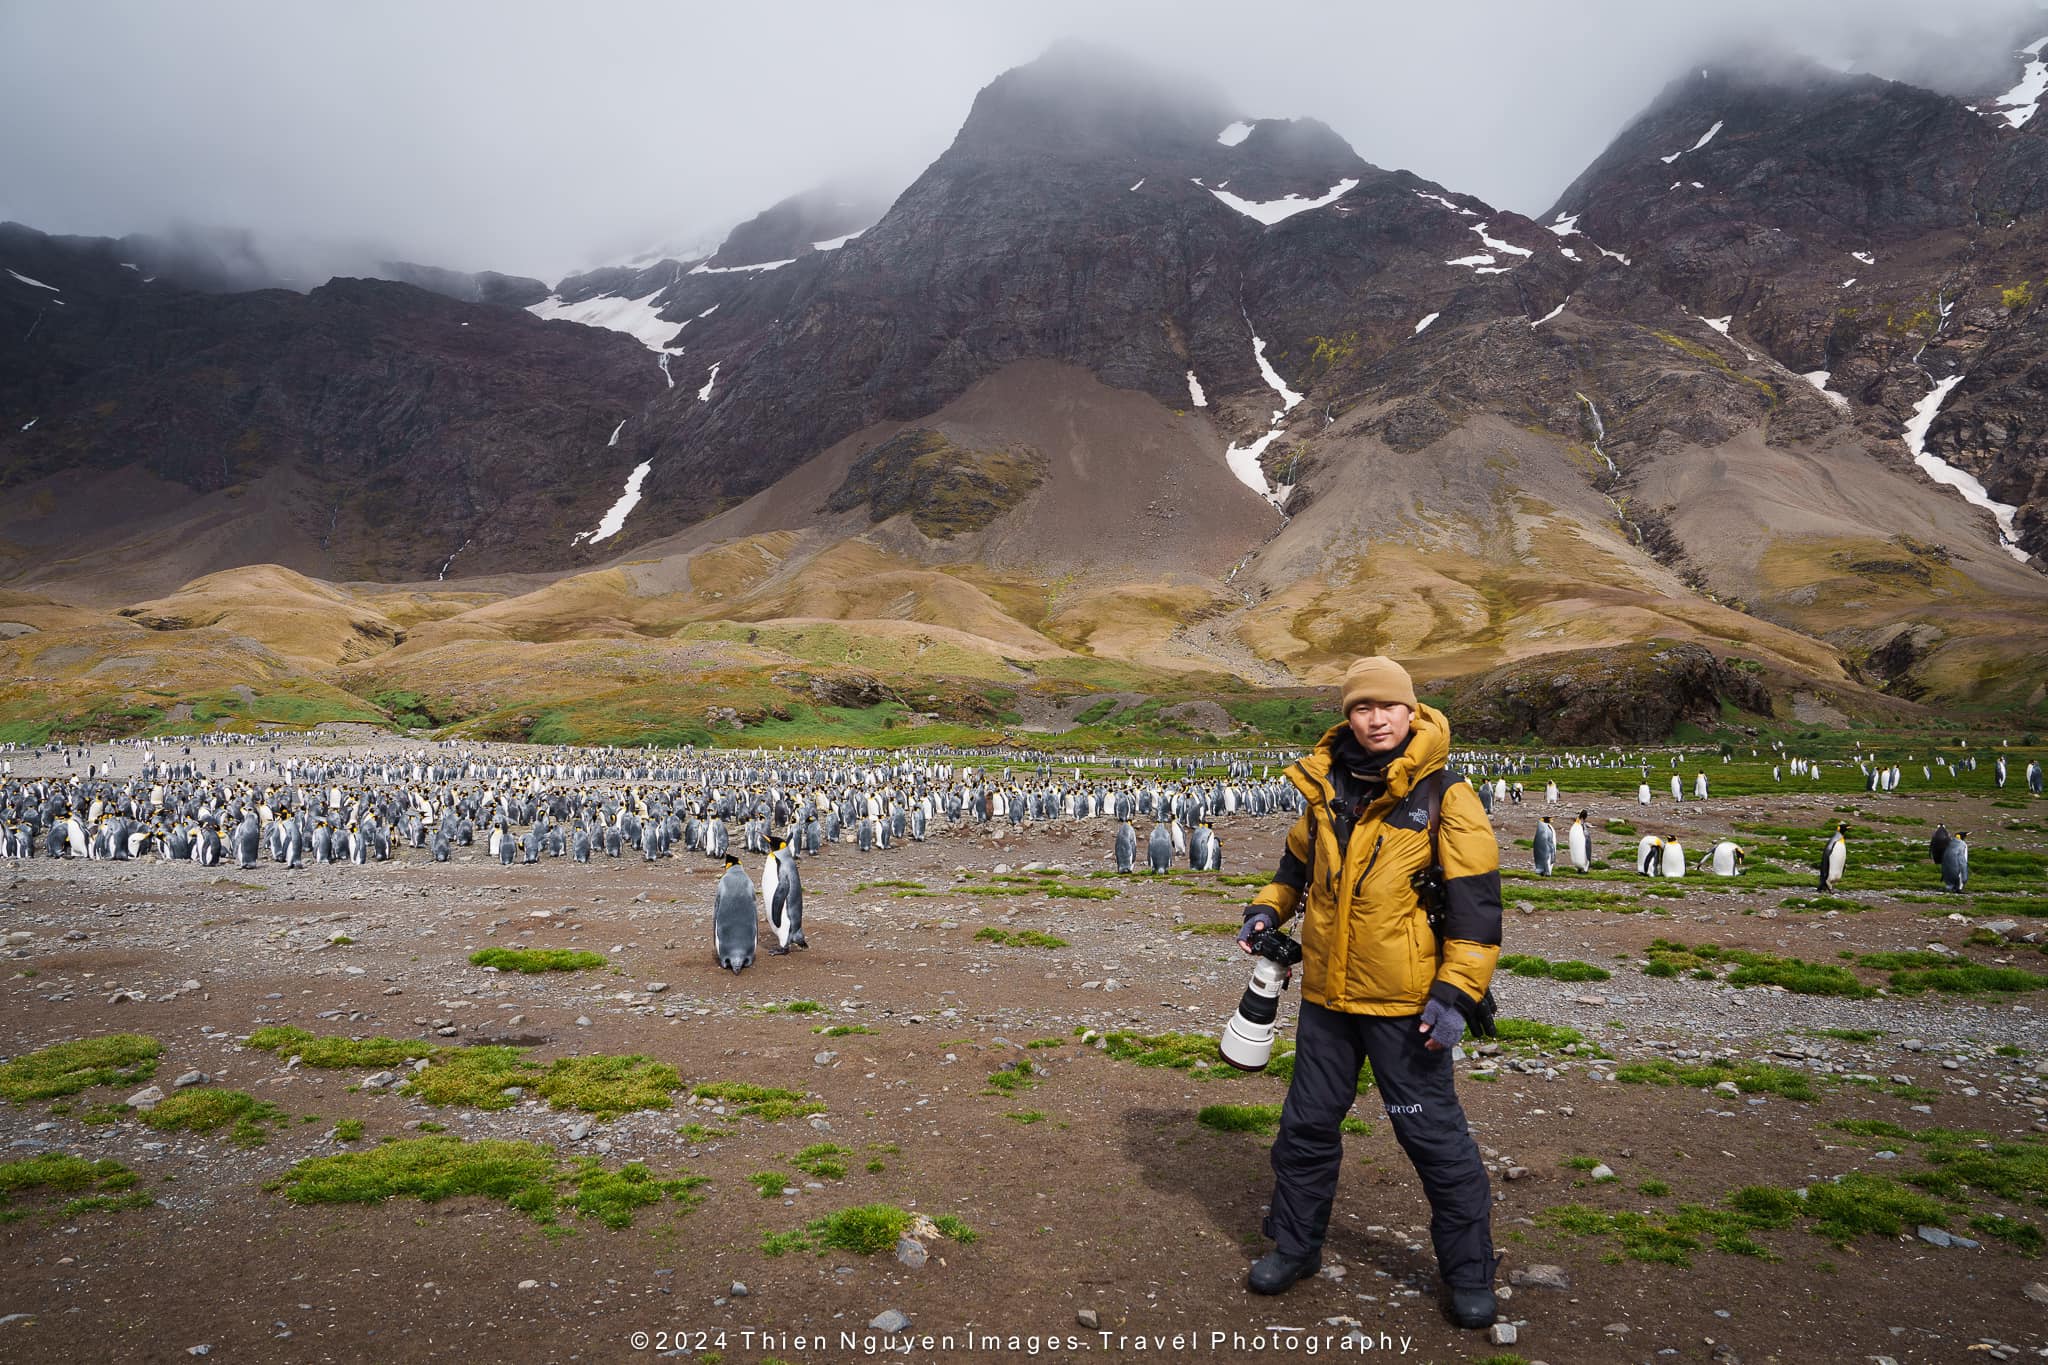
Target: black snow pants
(1416, 1090)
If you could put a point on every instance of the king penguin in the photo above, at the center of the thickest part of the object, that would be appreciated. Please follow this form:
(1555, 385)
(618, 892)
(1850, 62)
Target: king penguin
(1650, 855)
(1955, 862)
(1938, 845)
(1674, 858)
(735, 920)
(1545, 847)
(1159, 850)
(782, 891)
(1126, 850)
(1833, 858)
(1728, 858)
(1581, 843)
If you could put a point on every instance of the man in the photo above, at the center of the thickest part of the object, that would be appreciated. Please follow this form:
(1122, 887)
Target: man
(1376, 984)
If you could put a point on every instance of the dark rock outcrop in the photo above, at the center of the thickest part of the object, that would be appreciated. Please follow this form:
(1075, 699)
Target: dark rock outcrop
(1634, 695)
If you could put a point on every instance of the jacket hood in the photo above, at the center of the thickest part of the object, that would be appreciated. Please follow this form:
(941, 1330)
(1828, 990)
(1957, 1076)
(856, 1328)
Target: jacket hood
(1429, 748)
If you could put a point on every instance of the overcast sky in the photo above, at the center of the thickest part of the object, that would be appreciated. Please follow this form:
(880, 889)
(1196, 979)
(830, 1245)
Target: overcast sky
(538, 138)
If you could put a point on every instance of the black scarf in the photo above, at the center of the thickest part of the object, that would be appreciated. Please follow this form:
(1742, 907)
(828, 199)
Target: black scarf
(1360, 778)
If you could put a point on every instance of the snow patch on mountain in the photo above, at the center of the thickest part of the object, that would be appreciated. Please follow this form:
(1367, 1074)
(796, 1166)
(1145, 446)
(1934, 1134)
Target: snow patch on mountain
(1235, 133)
(1243, 461)
(1139, 186)
(1273, 211)
(706, 268)
(1719, 324)
(1495, 244)
(1425, 322)
(1551, 314)
(1864, 257)
(1941, 471)
(1195, 394)
(55, 290)
(1439, 199)
(1566, 224)
(30, 422)
(615, 518)
(2017, 105)
(1819, 379)
(1705, 138)
(1482, 259)
(637, 318)
(704, 394)
(834, 243)
(615, 434)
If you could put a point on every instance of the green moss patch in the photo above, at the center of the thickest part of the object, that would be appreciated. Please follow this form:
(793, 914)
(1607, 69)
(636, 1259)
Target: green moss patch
(103, 1186)
(762, 1102)
(824, 1160)
(67, 1068)
(863, 1230)
(207, 1111)
(525, 1175)
(472, 1077)
(1018, 938)
(1523, 964)
(608, 1086)
(338, 1053)
(533, 961)
(1752, 1078)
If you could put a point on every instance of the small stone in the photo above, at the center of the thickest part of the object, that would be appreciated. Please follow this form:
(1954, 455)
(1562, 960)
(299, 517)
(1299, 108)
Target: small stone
(2036, 1291)
(1934, 1235)
(380, 1080)
(147, 1098)
(1542, 1276)
(202, 1349)
(1517, 1172)
(1601, 1172)
(579, 1130)
(1912, 1044)
(825, 1058)
(189, 1078)
(891, 1320)
(1087, 1317)
(656, 987)
(1594, 1000)
(529, 1284)
(739, 1289)
(1502, 1334)
(911, 1252)
(582, 1021)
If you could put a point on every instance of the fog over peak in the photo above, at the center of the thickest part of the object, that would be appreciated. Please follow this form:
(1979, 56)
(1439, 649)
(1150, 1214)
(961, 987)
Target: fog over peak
(535, 139)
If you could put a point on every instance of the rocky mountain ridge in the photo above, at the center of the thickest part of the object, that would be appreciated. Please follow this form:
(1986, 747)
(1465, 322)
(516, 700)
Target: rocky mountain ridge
(1205, 392)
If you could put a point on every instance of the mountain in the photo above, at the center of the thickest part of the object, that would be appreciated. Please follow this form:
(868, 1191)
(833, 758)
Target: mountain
(1125, 391)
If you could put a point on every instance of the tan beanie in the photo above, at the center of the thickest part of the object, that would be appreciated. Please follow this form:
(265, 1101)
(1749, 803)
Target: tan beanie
(1377, 679)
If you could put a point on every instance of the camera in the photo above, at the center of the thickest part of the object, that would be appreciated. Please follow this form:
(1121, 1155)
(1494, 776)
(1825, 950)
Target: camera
(1247, 1041)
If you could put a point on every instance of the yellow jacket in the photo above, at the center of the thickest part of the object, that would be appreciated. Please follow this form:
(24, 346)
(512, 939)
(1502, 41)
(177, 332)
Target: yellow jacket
(1367, 947)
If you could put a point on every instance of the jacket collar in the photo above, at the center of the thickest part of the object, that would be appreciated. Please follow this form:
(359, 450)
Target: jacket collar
(1428, 750)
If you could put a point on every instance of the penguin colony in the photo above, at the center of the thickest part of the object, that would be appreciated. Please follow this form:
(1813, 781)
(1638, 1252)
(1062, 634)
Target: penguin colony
(583, 804)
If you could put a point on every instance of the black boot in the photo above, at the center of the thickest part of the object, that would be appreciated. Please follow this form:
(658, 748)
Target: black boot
(1276, 1271)
(1472, 1307)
